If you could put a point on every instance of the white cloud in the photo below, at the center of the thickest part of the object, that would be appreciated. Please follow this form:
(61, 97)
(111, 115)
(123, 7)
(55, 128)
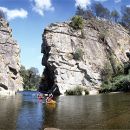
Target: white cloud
(14, 13)
(40, 6)
(82, 3)
(101, 0)
(117, 1)
(128, 6)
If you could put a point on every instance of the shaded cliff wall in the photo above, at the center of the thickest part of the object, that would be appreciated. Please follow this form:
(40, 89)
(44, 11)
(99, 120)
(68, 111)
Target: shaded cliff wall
(101, 42)
(10, 79)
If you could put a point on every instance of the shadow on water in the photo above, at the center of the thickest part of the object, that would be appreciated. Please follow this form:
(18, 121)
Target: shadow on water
(90, 112)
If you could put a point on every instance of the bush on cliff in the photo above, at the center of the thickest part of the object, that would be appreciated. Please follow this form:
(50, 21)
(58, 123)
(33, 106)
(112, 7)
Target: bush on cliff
(118, 83)
(78, 54)
(77, 91)
(77, 22)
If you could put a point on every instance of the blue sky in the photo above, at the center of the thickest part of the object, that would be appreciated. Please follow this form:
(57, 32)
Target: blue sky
(28, 18)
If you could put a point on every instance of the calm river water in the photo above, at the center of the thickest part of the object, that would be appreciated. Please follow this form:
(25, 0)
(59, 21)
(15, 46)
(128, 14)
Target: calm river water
(25, 112)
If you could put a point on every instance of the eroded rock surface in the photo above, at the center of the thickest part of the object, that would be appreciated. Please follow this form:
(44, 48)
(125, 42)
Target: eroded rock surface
(10, 79)
(99, 41)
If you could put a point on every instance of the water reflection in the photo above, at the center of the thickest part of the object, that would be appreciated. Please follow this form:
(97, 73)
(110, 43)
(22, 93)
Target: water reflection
(21, 112)
(31, 114)
(24, 112)
(90, 112)
(9, 109)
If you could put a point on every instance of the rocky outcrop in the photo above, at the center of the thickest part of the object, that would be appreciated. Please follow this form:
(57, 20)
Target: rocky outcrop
(10, 79)
(100, 42)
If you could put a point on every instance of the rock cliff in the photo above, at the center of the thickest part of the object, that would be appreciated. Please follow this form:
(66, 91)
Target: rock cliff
(10, 80)
(78, 57)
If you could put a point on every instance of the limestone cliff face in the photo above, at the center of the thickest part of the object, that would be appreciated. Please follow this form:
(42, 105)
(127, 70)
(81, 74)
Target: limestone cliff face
(10, 80)
(100, 41)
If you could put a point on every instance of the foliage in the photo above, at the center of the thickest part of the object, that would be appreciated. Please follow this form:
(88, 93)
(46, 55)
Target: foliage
(96, 9)
(116, 65)
(77, 22)
(126, 17)
(102, 35)
(86, 14)
(2, 15)
(80, 11)
(77, 91)
(115, 16)
(31, 78)
(78, 55)
(118, 83)
(107, 72)
(82, 34)
(100, 11)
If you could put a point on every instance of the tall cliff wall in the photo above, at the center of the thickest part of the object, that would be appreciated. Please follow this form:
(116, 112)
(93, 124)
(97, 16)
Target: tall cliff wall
(10, 80)
(100, 42)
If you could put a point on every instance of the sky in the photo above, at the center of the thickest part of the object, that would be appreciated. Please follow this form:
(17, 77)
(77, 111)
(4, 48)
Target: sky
(28, 18)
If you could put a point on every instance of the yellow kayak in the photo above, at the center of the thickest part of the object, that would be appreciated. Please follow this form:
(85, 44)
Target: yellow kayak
(51, 102)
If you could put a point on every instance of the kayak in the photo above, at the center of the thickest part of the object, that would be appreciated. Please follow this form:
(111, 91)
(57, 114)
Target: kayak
(51, 102)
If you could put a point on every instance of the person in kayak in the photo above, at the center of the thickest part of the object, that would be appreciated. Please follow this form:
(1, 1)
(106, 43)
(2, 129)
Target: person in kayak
(49, 98)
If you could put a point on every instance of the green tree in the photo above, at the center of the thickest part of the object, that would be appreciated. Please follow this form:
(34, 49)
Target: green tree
(100, 11)
(80, 11)
(2, 15)
(77, 22)
(126, 17)
(115, 15)
(31, 77)
(86, 14)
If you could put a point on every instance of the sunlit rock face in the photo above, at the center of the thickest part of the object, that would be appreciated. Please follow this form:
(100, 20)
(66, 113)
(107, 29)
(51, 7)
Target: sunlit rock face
(10, 79)
(99, 40)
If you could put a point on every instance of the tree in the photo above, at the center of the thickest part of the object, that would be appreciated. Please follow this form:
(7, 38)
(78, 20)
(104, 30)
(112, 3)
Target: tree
(31, 77)
(77, 22)
(2, 15)
(80, 11)
(126, 17)
(115, 15)
(86, 14)
(24, 75)
(100, 11)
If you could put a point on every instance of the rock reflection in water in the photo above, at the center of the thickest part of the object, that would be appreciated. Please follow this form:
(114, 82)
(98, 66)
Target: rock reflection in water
(90, 112)
(9, 108)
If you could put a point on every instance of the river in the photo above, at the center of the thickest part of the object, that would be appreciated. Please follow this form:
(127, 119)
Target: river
(105, 111)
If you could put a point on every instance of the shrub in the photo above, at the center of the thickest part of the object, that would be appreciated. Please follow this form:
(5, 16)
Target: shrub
(77, 91)
(107, 72)
(77, 22)
(102, 35)
(2, 15)
(118, 83)
(82, 34)
(78, 55)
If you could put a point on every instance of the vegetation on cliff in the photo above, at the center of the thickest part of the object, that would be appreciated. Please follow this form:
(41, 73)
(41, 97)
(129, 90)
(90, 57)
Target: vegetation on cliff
(77, 22)
(78, 90)
(113, 77)
(31, 78)
(93, 53)
(98, 10)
